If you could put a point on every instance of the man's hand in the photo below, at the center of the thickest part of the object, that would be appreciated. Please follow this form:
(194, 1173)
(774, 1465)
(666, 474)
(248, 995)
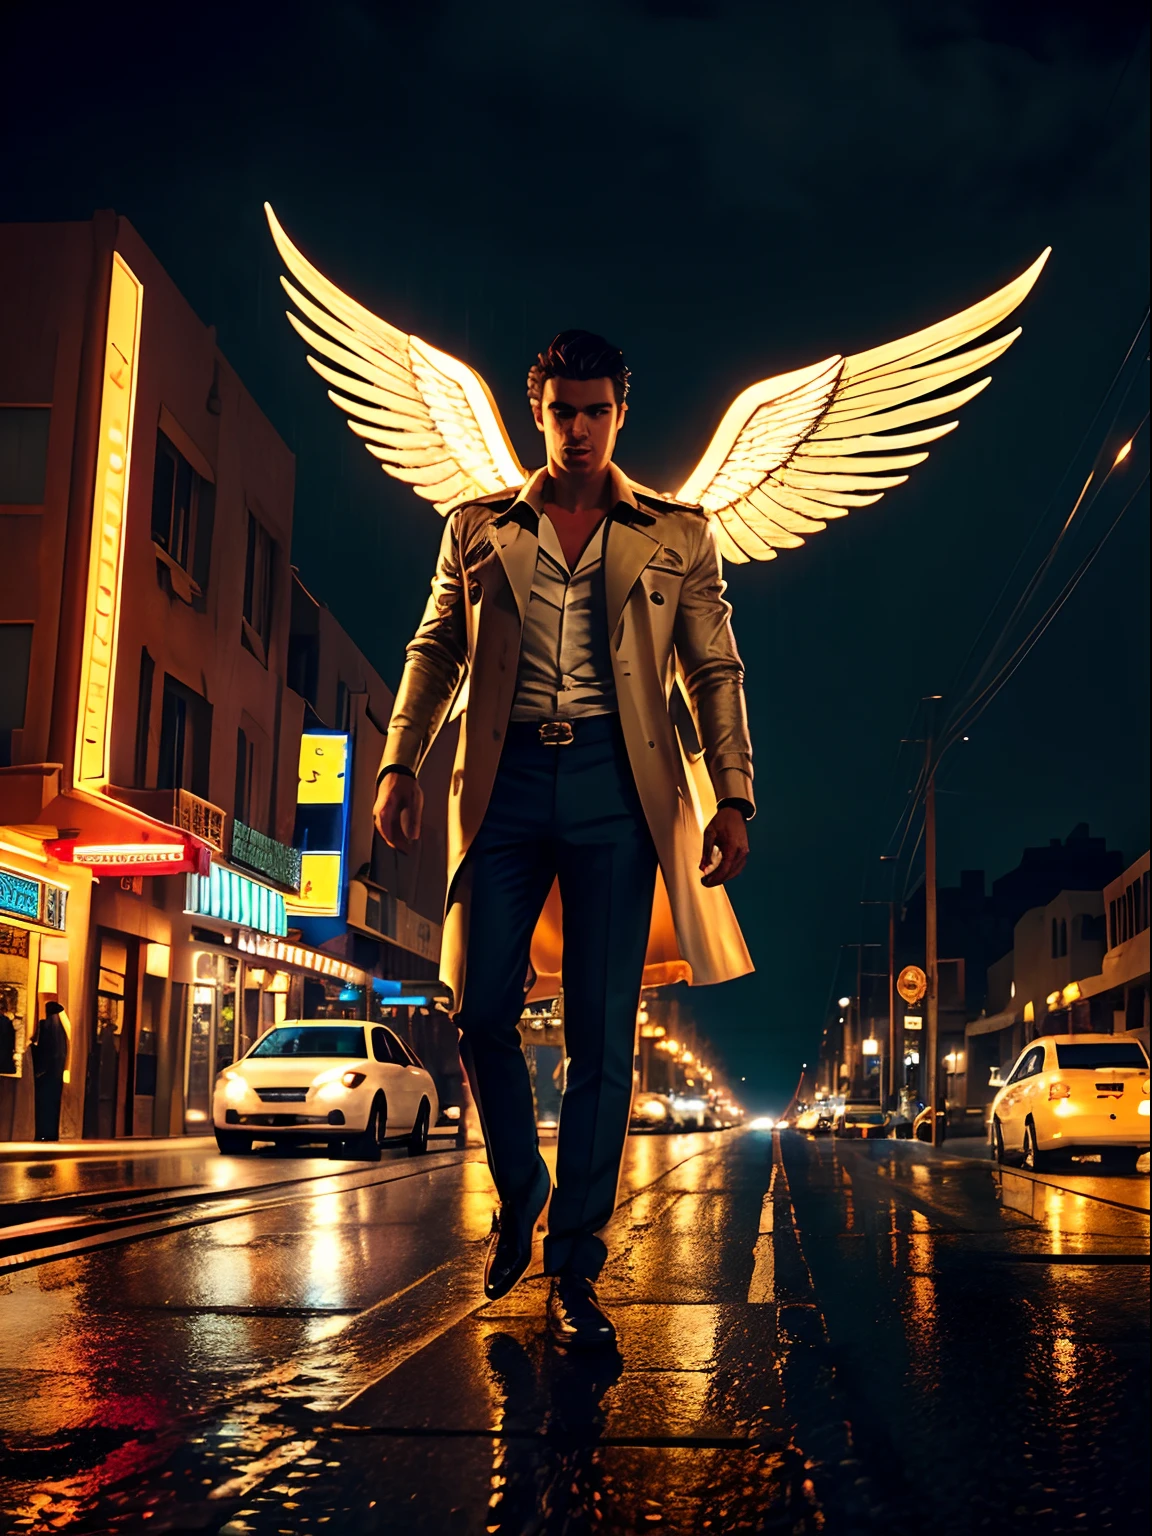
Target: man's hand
(728, 832)
(398, 811)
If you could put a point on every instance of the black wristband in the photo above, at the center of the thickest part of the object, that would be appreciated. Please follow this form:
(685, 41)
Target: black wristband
(393, 768)
(746, 809)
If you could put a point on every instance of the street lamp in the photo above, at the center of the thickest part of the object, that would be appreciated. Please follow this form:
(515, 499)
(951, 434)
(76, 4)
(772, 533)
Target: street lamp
(845, 1002)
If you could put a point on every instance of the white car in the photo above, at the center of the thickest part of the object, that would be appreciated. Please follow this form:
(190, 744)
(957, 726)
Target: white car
(1074, 1094)
(355, 1086)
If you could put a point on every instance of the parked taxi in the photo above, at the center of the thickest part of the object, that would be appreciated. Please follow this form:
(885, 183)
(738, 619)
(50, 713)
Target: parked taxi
(1070, 1094)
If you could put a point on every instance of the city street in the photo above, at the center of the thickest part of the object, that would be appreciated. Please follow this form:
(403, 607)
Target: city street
(814, 1335)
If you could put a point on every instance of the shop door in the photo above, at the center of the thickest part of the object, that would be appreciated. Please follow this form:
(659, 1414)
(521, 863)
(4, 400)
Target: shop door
(212, 1035)
(111, 1060)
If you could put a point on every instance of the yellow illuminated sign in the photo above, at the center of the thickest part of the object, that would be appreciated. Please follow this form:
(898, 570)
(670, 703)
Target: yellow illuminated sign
(106, 557)
(319, 886)
(321, 820)
(323, 760)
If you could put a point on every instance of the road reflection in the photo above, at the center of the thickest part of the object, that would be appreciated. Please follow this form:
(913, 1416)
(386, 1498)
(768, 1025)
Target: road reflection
(546, 1473)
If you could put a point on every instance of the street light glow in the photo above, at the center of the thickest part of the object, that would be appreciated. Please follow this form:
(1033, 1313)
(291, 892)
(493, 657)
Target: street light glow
(845, 1002)
(1123, 454)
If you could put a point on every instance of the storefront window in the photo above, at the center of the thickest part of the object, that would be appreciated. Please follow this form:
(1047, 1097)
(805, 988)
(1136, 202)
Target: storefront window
(15, 1027)
(211, 1032)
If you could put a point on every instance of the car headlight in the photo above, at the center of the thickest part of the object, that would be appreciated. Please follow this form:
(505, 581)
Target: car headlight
(1142, 1109)
(334, 1084)
(234, 1086)
(654, 1108)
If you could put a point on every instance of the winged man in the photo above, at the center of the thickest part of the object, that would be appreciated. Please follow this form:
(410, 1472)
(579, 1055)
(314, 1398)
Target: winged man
(577, 625)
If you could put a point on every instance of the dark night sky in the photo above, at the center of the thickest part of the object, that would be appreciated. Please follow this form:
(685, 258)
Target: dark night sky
(727, 190)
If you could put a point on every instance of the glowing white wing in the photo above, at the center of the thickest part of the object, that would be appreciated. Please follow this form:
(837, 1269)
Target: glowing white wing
(429, 418)
(798, 449)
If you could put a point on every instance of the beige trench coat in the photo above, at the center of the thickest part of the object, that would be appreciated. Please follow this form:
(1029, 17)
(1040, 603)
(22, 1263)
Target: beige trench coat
(671, 636)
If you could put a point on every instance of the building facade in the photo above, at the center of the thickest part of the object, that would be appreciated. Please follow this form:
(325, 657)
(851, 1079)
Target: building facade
(155, 829)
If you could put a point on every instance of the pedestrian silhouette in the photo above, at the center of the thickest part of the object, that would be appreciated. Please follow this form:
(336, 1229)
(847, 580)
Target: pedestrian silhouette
(49, 1059)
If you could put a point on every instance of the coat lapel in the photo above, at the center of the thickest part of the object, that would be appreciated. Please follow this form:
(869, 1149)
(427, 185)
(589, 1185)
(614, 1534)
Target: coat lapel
(517, 548)
(627, 552)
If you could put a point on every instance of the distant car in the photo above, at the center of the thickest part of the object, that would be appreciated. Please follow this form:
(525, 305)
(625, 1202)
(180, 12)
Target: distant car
(356, 1087)
(1072, 1094)
(653, 1112)
(817, 1118)
(862, 1121)
(692, 1112)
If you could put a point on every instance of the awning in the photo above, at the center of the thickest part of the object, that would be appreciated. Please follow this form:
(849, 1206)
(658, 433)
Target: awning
(105, 834)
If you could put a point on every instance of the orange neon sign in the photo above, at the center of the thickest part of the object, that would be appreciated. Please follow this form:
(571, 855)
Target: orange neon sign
(106, 557)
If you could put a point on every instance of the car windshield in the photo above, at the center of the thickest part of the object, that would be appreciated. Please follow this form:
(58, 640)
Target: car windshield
(1101, 1056)
(312, 1040)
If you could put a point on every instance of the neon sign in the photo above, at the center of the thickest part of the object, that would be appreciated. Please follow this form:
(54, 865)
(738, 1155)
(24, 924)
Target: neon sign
(142, 858)
(106, 557)
(321, 824)
(233, 898)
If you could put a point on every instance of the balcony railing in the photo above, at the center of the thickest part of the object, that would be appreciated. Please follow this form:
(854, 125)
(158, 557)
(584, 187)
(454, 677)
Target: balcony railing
(179, 808)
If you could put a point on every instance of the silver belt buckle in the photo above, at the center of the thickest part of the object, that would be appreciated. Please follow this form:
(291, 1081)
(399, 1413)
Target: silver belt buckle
(556, 733)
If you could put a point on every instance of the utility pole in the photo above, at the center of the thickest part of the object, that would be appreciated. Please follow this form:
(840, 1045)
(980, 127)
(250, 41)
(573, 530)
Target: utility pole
(891, 1000)
(931, 968)
(887, 1083)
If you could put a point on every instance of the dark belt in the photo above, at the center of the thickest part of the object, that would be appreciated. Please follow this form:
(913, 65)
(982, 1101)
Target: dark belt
(561, 733)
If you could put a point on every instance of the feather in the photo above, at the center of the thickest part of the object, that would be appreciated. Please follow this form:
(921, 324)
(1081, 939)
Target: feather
(807, 446)
(426, 416)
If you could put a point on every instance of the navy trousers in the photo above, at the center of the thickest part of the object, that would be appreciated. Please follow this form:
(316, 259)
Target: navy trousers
(570, 812)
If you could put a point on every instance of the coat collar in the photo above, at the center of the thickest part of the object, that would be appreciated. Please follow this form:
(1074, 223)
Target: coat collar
(628, 549)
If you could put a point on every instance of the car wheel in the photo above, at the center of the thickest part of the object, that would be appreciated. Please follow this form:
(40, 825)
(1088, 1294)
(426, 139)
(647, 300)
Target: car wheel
(1034, 1159)
(418, 1141)
(1120, 1159)
(233, 1143)
(365, 1148)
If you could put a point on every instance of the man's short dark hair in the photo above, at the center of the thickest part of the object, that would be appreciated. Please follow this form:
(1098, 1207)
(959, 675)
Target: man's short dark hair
(579, 355)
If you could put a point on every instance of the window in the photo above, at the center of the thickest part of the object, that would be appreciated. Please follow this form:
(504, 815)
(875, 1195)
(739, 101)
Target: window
(15, 659)
(1055, 939)
(143, 717)
(245, 777)
(1030, 1064)
(258, 589)
(312, 1040)
(1100, 1056)
(1063, 936)
(304, 665)
(1092, 928)
(380, 1044)
(396, 1050)
(183, 511)
(23, 454)
(185, 739)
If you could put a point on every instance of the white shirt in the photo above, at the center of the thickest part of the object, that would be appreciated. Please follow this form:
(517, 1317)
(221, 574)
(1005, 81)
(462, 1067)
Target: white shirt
(565, 669)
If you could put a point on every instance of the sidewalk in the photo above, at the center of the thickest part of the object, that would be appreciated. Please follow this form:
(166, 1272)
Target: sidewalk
(142, 1146)
(43, 1173)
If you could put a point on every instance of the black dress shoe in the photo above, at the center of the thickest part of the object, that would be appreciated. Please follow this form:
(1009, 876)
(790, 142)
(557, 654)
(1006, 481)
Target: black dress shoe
(510, 1250)
(575, 1317)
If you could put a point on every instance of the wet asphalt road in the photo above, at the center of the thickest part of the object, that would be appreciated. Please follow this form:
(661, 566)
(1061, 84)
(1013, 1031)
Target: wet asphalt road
(814, 1336)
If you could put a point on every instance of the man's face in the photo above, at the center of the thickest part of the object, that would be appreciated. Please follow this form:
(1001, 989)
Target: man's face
(579, 419)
